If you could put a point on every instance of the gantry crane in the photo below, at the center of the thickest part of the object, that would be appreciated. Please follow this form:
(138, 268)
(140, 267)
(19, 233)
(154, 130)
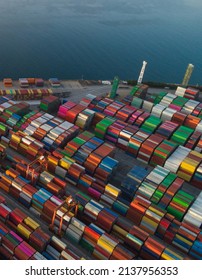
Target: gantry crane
(187, 75)
(31, 169)
(139, 81)
(114, 87)
(68, 206)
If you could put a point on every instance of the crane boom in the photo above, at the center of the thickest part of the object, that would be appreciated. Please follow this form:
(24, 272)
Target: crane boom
(188, 74)
(142, 72)
(114, 87)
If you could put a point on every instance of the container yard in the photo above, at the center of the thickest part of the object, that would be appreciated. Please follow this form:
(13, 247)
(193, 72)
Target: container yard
(102, 176)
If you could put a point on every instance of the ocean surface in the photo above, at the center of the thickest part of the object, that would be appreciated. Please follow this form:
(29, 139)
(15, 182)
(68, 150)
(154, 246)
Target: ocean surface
(98, 39)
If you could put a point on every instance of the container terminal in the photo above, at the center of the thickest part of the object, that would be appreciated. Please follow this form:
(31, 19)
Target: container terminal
(100, 171)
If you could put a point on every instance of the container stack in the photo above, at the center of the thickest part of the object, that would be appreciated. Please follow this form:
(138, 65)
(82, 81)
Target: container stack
(131, 182)
(85, 118)
(100, 162)
(99, 105)
(194, 215)
(102, 126)
(31, 94)
(3, 129)
(127, 99)
(64, 108)
(136, 141)
(26, 145)
(191, 121)
(125, 135)
(190, 93)
(39, 82)
(15, 241)
(76, 143)
(141, 119)
(151, 124)
(125, 113)
(25, 229)
(86, 101)
(50, 104)
(152, 181)
(52, 132)
(137, 102)
(181, 135)
(162, 153)
(53, 184)
(23, 82)
(31, 81)
(54, 82)
(26, 94)
(135, 116)
(189, 165)
(139, 91)
(152, 220)
(7, 82)
(72, 114)
(198, 145)
(87, 148)
(57, 250)
(147, 106)
(143, 145)
(113, 108)
(148, 147)
(166, 129)
(114, 131)
(174, 161)
(197, 178)
(160, 187)
(40, 201)
(13, 114)
(5, 103)
(180, 203)
(179, 103)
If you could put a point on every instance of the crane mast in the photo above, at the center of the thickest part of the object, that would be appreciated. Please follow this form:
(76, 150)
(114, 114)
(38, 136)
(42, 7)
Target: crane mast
(188, 74)
(142, 72)
(114, 87)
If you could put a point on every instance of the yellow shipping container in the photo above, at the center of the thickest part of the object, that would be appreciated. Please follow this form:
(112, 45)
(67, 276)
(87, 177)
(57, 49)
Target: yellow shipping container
(148, 225)
(156, 211)
(23, 146)
(32, 149)
(15, 138)
(31, 223)
(165, 256)
(25, 232)
(66, 163)
(184, 176)
(189, 165)
(184, 240)
(53, 161)
(106, 245)
(119, 230)
(111, 190)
